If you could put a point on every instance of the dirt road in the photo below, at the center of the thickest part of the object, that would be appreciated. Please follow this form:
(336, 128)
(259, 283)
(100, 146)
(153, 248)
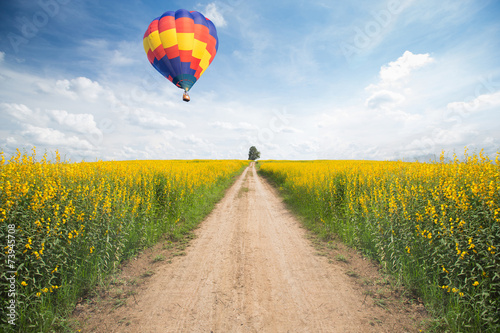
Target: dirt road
(250, 269)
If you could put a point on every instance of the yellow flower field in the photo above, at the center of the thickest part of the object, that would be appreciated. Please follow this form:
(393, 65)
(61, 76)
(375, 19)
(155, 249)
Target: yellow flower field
(65, 225)
(435, 225)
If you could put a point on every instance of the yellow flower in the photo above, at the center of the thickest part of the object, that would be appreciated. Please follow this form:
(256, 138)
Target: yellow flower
(24, 283)
(38, 294)
(475, 284)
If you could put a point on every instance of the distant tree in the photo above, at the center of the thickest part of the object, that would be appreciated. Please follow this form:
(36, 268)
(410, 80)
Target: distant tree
(253, 153)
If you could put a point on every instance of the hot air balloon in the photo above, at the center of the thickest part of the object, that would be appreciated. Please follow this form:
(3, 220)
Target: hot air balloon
(181, 45)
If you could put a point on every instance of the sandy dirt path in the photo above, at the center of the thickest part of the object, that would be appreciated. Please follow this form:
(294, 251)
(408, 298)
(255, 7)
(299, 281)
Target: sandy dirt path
(250, 269)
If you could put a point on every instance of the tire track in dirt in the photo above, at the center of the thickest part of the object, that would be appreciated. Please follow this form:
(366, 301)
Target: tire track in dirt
(250, 269)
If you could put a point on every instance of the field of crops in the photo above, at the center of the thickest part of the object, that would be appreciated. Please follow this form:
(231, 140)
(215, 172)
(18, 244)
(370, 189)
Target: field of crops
(64, 226)
(435, 226)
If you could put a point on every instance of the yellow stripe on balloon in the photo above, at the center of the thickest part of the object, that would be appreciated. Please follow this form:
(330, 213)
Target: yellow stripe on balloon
(185, 41)
(199, 49)
(168, 38)
(205, 61)
(154, 40)
(145, 43)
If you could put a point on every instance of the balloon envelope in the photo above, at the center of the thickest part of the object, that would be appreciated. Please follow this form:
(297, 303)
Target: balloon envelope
(181, 45)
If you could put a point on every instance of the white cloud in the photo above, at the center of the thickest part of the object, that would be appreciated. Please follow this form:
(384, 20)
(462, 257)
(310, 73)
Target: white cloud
(107, 55)
(403, 66)
(392, 90)
(481, 102)
(306, 147)
(193, 139)
(438, 138)
(83, 87)
(289, 129)
(24, 114)
(79, 88)
(383, 98)
(19, 111)
(231, 126)
(2, 56)
(51, 130)
(151, 119)
(215, 15)
(82, 122)
(120, 59)
(54, 138)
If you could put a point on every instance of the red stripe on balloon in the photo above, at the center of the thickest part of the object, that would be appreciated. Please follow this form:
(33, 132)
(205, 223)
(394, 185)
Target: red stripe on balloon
(186, 56)
(153, 26)
(151, 56)
(211, 46)
(172, 52)
(201, 33)
(159, 52)
(195, 63)
(198, 73)
(184, 25)
(166, 23)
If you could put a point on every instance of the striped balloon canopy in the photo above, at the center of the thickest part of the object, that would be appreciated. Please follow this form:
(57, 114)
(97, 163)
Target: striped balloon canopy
(181, 45)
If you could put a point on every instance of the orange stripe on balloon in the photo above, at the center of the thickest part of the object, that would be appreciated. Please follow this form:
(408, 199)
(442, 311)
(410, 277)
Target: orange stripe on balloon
(201, 32)
(198, 73)
(159, 52)
(153, 26)
(151, 56)
(186, 56)
(166, 23)
(195, 63)
(172, 52)
(184, 25)
(211, 47)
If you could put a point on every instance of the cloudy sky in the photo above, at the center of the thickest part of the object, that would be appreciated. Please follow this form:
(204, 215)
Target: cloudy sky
(318, 79)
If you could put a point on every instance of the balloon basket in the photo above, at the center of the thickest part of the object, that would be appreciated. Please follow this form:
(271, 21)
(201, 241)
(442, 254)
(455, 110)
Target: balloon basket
(185, 97)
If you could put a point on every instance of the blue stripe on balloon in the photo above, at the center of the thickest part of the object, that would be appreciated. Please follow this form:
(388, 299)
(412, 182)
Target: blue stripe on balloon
(183, 13)
(199, 18)
(186, 68)
(162, 67)
(176, 65)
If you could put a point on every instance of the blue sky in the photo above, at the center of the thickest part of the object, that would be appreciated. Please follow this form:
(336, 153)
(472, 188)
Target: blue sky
(382, 80)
